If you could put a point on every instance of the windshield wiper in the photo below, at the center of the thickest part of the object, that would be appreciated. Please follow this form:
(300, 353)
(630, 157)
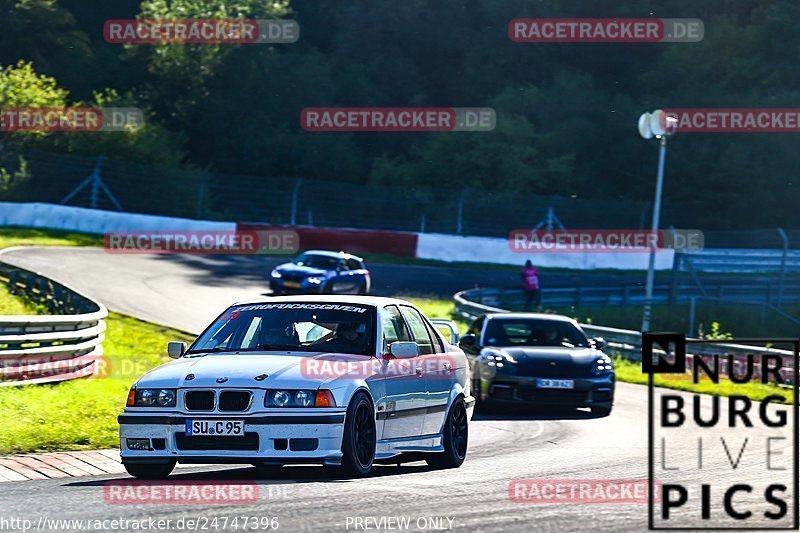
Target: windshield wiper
(288, 347)
(209, 350)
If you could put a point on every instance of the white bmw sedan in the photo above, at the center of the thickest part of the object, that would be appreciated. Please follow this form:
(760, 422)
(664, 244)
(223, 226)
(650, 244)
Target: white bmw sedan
(340, 381)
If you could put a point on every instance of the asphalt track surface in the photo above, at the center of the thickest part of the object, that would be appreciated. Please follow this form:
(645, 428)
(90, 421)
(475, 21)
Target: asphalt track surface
(505, 445)
(188, 291)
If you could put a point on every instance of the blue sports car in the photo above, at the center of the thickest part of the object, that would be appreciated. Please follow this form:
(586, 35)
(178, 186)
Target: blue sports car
(321, 272)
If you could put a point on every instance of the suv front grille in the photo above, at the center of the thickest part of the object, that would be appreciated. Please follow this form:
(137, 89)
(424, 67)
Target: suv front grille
(200, 400)
(234, 400)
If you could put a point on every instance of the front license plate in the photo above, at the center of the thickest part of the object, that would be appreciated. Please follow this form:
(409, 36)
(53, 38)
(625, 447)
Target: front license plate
(221, 428)
(555, 383)
(292, 284)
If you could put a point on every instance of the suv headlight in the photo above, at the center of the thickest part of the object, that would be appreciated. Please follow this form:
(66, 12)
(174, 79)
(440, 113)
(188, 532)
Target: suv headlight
(498, 360)
(602, 365)
(316, 280)
(151, 398)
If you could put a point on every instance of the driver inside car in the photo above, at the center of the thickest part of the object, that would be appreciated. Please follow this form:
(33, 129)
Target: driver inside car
(278, 334)
(350, 337)
(548, 335)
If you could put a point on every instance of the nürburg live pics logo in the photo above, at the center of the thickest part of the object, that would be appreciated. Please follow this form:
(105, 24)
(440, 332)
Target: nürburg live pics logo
(724, 461)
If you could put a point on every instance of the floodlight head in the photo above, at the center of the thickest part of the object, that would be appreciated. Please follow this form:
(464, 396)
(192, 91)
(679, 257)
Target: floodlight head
(644, 126)
(658, 122)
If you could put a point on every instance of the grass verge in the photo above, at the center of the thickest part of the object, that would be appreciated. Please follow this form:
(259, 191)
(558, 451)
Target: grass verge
(82, 414)
(631, 372)
(14, 305)
(13, 236)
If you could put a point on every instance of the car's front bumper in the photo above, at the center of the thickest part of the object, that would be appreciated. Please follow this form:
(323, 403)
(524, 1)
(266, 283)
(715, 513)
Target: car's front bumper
(512, 388)
(272, 438)
(278, 285)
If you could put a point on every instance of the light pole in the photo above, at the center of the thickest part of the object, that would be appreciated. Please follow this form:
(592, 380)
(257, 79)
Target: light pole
(658, 125)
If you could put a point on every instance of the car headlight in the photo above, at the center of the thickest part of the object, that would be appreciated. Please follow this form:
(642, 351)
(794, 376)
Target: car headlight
(151, 398)
(602, 365)
(498, 360)
(276, 274)
(316, 280)
(304, 398)
(299, 398)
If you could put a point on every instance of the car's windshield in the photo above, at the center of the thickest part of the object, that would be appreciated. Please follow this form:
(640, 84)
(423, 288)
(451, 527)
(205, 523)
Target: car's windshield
(303, 326)
(324, 262)
(533, 332)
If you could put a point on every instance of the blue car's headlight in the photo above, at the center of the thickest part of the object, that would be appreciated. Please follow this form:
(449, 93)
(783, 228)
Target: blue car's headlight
(602, 365)
(316, 280)
(276, 274)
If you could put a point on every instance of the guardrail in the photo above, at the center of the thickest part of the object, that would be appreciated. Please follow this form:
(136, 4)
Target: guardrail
(626, 343)
(731, 260)
(634, 295)
(63, 345)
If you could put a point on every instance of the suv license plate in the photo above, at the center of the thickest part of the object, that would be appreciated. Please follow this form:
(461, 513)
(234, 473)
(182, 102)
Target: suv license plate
(555, 383)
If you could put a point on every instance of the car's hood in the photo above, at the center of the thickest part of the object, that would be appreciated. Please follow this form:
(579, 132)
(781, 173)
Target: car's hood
(547, 361)
(285, 370)
(298, 269)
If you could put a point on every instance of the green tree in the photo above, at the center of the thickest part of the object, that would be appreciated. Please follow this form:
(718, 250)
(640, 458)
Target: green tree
(180, 72)
(21, 86)
(38, 31)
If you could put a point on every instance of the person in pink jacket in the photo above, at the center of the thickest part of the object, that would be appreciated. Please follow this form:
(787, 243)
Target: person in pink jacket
(530, 284)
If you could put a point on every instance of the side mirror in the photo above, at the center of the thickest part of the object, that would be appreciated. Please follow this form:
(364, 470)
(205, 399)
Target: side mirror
(599, 343)
(176, 349)
(468, 340)
(404, 349)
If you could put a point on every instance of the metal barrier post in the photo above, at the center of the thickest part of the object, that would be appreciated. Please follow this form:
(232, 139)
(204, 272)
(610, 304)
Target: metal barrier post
(785, 240)
(460, 214)
(295, 194)
(676, 266)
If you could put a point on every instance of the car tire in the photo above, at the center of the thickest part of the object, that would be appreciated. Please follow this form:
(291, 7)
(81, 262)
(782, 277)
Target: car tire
(602, 410)
(149, 470)
(359, 438)
(327, 288)
(455, 438)
(362, 289)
